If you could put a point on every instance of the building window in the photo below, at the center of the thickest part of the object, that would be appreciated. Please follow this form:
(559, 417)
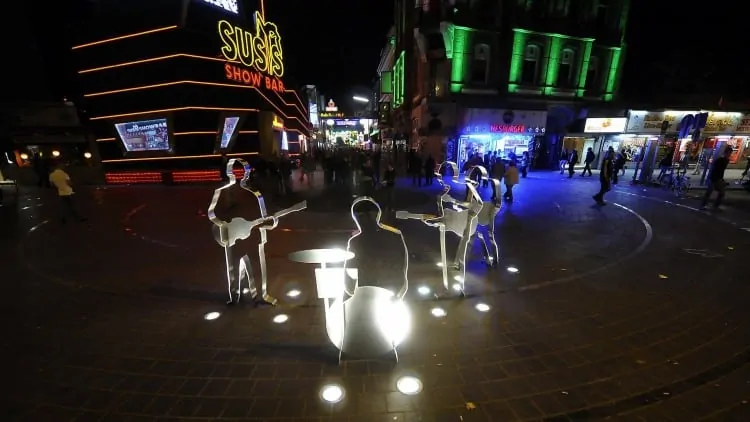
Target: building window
(480, 67)
(592, 76)
(530, 65)
(567, 63)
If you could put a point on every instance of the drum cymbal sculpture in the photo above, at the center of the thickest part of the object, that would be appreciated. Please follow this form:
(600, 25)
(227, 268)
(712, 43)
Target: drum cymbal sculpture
(368, 321)
(227, 233)
(460, 218)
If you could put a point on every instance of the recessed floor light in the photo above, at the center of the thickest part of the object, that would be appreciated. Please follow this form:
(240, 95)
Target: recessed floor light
(457, 287)
(409, 385)
(512, 269)
(424, 290)
(281, 318)
(438, 312)
(293, 293)
(245, 291)
(482, 307)
(332, 393)
(458, 278)
(211, 316)
(439, 264)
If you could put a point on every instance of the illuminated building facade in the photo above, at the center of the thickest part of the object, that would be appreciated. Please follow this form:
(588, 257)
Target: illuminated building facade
(171, 87)
(444, 61)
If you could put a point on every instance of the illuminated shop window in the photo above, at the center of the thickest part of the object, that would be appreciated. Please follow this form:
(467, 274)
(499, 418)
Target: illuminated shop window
(567, 63)
(530, 65)
(480, 67)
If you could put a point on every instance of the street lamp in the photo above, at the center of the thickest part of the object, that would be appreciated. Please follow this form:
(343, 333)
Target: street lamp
(360, 99)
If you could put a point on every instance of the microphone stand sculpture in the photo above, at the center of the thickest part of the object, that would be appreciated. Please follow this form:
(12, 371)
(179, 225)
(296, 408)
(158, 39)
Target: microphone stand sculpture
(228, 233)
(460, 218)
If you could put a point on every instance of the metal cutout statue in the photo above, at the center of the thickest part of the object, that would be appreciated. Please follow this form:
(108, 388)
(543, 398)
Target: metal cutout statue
(460, 218)
(228, 233)
(487, 214)
(369, 321)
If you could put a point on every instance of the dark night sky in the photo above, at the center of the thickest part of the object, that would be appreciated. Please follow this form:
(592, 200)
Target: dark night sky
(335, 44)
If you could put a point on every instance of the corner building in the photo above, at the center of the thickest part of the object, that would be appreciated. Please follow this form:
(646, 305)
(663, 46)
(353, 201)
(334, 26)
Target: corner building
(171, 87)
(510, 75)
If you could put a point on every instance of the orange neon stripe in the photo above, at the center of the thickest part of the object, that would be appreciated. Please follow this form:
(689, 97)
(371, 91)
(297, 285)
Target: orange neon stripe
(182, 157)
(123, 37)
(167, 110)
(242, 132)
(174, 83)
(172, 56)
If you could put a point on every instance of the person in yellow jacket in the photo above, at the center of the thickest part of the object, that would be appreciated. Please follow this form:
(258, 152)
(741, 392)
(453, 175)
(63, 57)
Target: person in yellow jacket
(511, 179)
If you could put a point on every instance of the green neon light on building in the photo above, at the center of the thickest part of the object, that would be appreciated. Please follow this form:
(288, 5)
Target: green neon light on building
(516, 60)
(612, 76)
(552, 66)
(460, 61)
(398, 80)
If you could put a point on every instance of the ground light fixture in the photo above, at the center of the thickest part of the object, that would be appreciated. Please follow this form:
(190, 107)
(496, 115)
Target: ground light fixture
(24, 156)
(424, 290)
(332, 393)
(438, 312)
(512, 270)
(409, 385)
(293, 293)
(359, 99)
(55, 153)
(281, 318)
(87, 155)
(482, 307)
(211, 316)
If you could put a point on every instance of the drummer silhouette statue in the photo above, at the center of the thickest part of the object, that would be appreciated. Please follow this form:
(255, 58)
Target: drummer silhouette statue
(227, 233)
(457, 217)
(371, 319)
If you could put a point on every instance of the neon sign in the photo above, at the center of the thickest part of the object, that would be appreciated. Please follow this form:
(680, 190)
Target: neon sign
(277, 123)
(508, 128)
(260, 51)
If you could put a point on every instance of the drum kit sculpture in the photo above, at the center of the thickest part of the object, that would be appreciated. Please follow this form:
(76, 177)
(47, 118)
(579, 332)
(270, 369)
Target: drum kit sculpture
(369, 320)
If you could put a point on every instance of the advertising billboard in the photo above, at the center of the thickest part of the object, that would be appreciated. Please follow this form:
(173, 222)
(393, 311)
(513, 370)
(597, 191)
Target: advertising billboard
(228, 130)
(145, 135)
(228, 5)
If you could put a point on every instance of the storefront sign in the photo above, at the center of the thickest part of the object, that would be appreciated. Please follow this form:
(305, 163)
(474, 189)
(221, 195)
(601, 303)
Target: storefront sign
(692, 123)
(651, 121)
(529, 122)
(722, 122)
(606, 125)
(744, 125)
(260, 51)
(331, 115)
(507, 128)
(277, 122)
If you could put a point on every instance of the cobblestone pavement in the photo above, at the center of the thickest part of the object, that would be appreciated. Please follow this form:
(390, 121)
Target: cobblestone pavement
(632, 311)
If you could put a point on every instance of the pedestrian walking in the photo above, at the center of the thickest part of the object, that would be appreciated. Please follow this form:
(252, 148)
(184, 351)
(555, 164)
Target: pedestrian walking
(605, 176)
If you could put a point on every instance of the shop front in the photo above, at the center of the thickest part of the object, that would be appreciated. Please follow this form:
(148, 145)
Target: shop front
(729, 128)
(349, 132)
(501, 132)
(597, 132)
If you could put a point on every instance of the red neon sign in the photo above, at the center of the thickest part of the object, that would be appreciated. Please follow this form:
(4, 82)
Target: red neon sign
(508, 128)
(252, 78)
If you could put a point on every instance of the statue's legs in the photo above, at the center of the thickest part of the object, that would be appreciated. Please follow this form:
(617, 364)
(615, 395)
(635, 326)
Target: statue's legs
(264, 296)
(444, 257)
(488, 258)
(230, 272)
(246, 272)
(493, 242)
